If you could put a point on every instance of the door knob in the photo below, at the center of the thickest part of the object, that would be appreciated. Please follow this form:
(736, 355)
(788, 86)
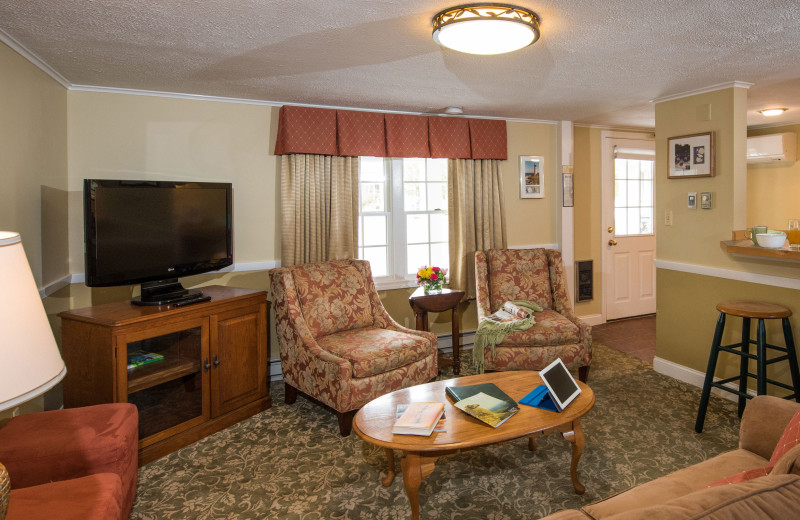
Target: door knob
(612, 242)
(610, 229)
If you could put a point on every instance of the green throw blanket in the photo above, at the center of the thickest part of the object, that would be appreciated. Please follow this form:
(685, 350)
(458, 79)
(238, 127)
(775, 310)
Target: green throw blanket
(491, 332)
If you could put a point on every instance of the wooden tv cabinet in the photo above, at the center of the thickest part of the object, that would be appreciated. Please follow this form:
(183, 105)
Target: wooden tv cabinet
(213, 373)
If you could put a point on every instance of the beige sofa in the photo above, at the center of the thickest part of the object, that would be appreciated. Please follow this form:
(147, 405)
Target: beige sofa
(683, 494)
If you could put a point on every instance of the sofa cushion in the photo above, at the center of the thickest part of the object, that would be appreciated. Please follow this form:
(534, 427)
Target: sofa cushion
(98, 496)
(789, 463)
(789, 439)
(519, 274)
(773, 496)
(677, 484)
(376, 351)
(550, 328)
(333, 297)
(742, 476)
(71, 443)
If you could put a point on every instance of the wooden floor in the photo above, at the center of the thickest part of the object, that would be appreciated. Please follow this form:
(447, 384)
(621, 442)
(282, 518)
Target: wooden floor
(634, 336)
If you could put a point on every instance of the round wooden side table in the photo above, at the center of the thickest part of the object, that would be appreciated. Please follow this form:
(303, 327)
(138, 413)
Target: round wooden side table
(448, 299)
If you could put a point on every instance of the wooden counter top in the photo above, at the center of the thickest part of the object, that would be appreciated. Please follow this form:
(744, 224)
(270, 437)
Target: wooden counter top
(743, 246)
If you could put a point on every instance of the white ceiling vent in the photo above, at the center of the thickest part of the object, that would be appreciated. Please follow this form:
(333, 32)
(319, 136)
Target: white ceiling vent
(772, 148)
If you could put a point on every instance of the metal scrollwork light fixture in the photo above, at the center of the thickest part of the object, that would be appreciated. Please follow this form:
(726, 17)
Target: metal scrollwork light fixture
(486, 28)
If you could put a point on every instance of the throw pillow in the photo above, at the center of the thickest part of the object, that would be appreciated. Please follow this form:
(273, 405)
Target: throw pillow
(789, 439)
(743, 476)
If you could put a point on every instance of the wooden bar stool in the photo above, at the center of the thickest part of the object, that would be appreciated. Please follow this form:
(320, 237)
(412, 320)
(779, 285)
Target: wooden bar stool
(747, 311)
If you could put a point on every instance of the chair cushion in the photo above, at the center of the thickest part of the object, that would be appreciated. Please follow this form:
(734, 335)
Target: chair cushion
(71, 443)
(98, 496)
(375, 351)
(519, 274)
(333, 297)
(550, 329)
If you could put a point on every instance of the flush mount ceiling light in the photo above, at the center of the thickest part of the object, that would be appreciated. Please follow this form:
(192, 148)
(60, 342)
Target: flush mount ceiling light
(486, 28)
(772, 111)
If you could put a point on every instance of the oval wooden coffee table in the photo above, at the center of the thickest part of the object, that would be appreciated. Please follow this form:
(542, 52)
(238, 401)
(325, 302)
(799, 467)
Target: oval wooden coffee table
(374, 421)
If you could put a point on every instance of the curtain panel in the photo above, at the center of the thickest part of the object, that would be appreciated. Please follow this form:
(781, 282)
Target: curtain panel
(319, 208)
(475, 190)
(323, 131)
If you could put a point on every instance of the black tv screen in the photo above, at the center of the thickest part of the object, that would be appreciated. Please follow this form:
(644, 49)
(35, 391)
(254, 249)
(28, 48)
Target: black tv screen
(146, 231)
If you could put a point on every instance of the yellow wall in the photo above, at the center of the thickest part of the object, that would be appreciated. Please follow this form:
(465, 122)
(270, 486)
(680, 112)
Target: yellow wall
(588, 176)
(773, 189)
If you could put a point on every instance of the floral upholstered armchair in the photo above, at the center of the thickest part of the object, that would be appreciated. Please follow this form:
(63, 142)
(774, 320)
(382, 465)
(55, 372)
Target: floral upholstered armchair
(337, 342)
(535, 275)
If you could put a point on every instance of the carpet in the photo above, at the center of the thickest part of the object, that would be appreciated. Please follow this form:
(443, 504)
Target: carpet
(289, 462)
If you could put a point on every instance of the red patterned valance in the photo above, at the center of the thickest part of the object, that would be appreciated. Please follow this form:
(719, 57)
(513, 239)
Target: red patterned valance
(326, 131)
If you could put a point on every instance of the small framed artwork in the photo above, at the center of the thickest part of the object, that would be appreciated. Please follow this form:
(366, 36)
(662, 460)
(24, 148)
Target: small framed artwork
(569, 194)
(705, 200)
(531, 177)
(691, 156)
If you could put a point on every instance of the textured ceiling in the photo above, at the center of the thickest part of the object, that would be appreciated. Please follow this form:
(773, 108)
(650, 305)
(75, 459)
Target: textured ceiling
(596, 62)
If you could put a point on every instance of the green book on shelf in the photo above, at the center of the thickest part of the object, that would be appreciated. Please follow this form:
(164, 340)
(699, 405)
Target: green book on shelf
(140, 357)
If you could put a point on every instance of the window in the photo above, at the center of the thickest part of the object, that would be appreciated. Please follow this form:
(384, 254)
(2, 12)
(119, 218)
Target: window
(402, 221)
(633, 197)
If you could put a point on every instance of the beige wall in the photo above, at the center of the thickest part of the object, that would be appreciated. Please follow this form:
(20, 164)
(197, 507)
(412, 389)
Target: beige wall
(773, 189)
(33, 164)
(686, 302)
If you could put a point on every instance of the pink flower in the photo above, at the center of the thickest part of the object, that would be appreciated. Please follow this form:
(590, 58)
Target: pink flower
(434, 277)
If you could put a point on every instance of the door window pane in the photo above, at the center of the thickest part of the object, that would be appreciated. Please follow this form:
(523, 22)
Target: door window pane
(633, 197)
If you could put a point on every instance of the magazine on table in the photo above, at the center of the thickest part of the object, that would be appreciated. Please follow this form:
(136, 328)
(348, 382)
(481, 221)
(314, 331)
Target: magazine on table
(509, 312)
(488, 409)
(418, 418)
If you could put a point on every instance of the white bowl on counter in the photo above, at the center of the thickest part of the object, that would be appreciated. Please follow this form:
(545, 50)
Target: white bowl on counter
(771, 239)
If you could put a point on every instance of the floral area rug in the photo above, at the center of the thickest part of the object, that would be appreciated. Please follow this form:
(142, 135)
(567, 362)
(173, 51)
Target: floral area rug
(289, 462)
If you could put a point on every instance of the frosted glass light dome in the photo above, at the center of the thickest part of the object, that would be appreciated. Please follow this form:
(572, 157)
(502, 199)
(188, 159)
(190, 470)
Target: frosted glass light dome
(486, 29)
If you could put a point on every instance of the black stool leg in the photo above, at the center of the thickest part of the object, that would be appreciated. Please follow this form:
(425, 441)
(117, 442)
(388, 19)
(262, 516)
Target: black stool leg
(744, 365)
(712, 367)
(761, 362)
(792, 353)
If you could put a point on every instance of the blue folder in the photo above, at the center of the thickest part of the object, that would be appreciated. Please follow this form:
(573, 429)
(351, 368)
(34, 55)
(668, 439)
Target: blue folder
(539, 398)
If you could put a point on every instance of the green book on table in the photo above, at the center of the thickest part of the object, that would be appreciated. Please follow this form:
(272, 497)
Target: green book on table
(457, 393)
(140, 357)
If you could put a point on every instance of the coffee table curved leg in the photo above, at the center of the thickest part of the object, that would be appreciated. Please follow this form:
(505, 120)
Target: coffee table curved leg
(576, 438)
(387, 480)
(415, 468)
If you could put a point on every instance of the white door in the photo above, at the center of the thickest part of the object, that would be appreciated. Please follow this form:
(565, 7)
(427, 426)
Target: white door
(629, 286)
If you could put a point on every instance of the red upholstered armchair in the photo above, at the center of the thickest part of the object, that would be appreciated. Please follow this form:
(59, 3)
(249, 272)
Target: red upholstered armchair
(535, 275)
(337, 342)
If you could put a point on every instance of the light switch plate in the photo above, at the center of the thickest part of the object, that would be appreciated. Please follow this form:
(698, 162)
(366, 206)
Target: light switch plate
(668, 217)
(692, 200)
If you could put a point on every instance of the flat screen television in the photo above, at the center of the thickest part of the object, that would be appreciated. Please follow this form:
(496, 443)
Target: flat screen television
(153, 232)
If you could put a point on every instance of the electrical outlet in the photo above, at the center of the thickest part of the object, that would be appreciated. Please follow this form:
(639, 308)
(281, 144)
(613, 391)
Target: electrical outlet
(668, 217)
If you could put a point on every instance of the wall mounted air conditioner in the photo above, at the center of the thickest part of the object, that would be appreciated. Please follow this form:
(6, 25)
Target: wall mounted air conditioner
(772, 148)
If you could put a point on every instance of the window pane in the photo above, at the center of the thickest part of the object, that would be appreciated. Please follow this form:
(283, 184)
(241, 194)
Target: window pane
(413, 169)
(620, 169)
(375, 230)
(440, 255)
(414, 196)
(633, 221)
(372, 196)
(437, 196)
(437, 170)
(417, 228)
(634, 169)
(377, 260)
(439, 226)
(633, 194)
(647, 193)
(647, 169)
(371, 169)
(646, 221)
(417, 257)
(620, 221)
(620, 194)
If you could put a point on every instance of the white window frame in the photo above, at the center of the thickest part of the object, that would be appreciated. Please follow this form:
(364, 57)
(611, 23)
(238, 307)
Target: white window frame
(398, 252)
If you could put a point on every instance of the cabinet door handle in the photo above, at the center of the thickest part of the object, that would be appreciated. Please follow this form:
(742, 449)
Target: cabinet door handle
(216, 361)
(206, 365)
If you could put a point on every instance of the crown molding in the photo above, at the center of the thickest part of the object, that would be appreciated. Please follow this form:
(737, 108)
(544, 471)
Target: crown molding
(33, 58)
(776, 124)
(704, 90)
(640, 130)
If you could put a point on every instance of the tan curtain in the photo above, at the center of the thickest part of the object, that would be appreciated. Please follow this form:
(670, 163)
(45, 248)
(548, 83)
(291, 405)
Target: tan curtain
(319, 208)
(475, 191)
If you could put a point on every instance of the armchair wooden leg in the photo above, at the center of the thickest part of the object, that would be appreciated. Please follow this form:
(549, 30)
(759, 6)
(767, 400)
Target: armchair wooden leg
(583, 373)
(346, 422)
(290, 393)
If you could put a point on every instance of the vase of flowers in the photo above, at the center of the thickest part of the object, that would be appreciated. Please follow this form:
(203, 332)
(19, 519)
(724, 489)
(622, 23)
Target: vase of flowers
(431, 279)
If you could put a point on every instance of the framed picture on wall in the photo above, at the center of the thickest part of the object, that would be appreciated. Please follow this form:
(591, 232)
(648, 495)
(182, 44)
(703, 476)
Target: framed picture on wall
(531, 177)
(691, 156)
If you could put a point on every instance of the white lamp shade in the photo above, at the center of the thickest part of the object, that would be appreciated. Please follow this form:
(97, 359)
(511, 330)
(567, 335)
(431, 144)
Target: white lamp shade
(30, 362)
(480, 36)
